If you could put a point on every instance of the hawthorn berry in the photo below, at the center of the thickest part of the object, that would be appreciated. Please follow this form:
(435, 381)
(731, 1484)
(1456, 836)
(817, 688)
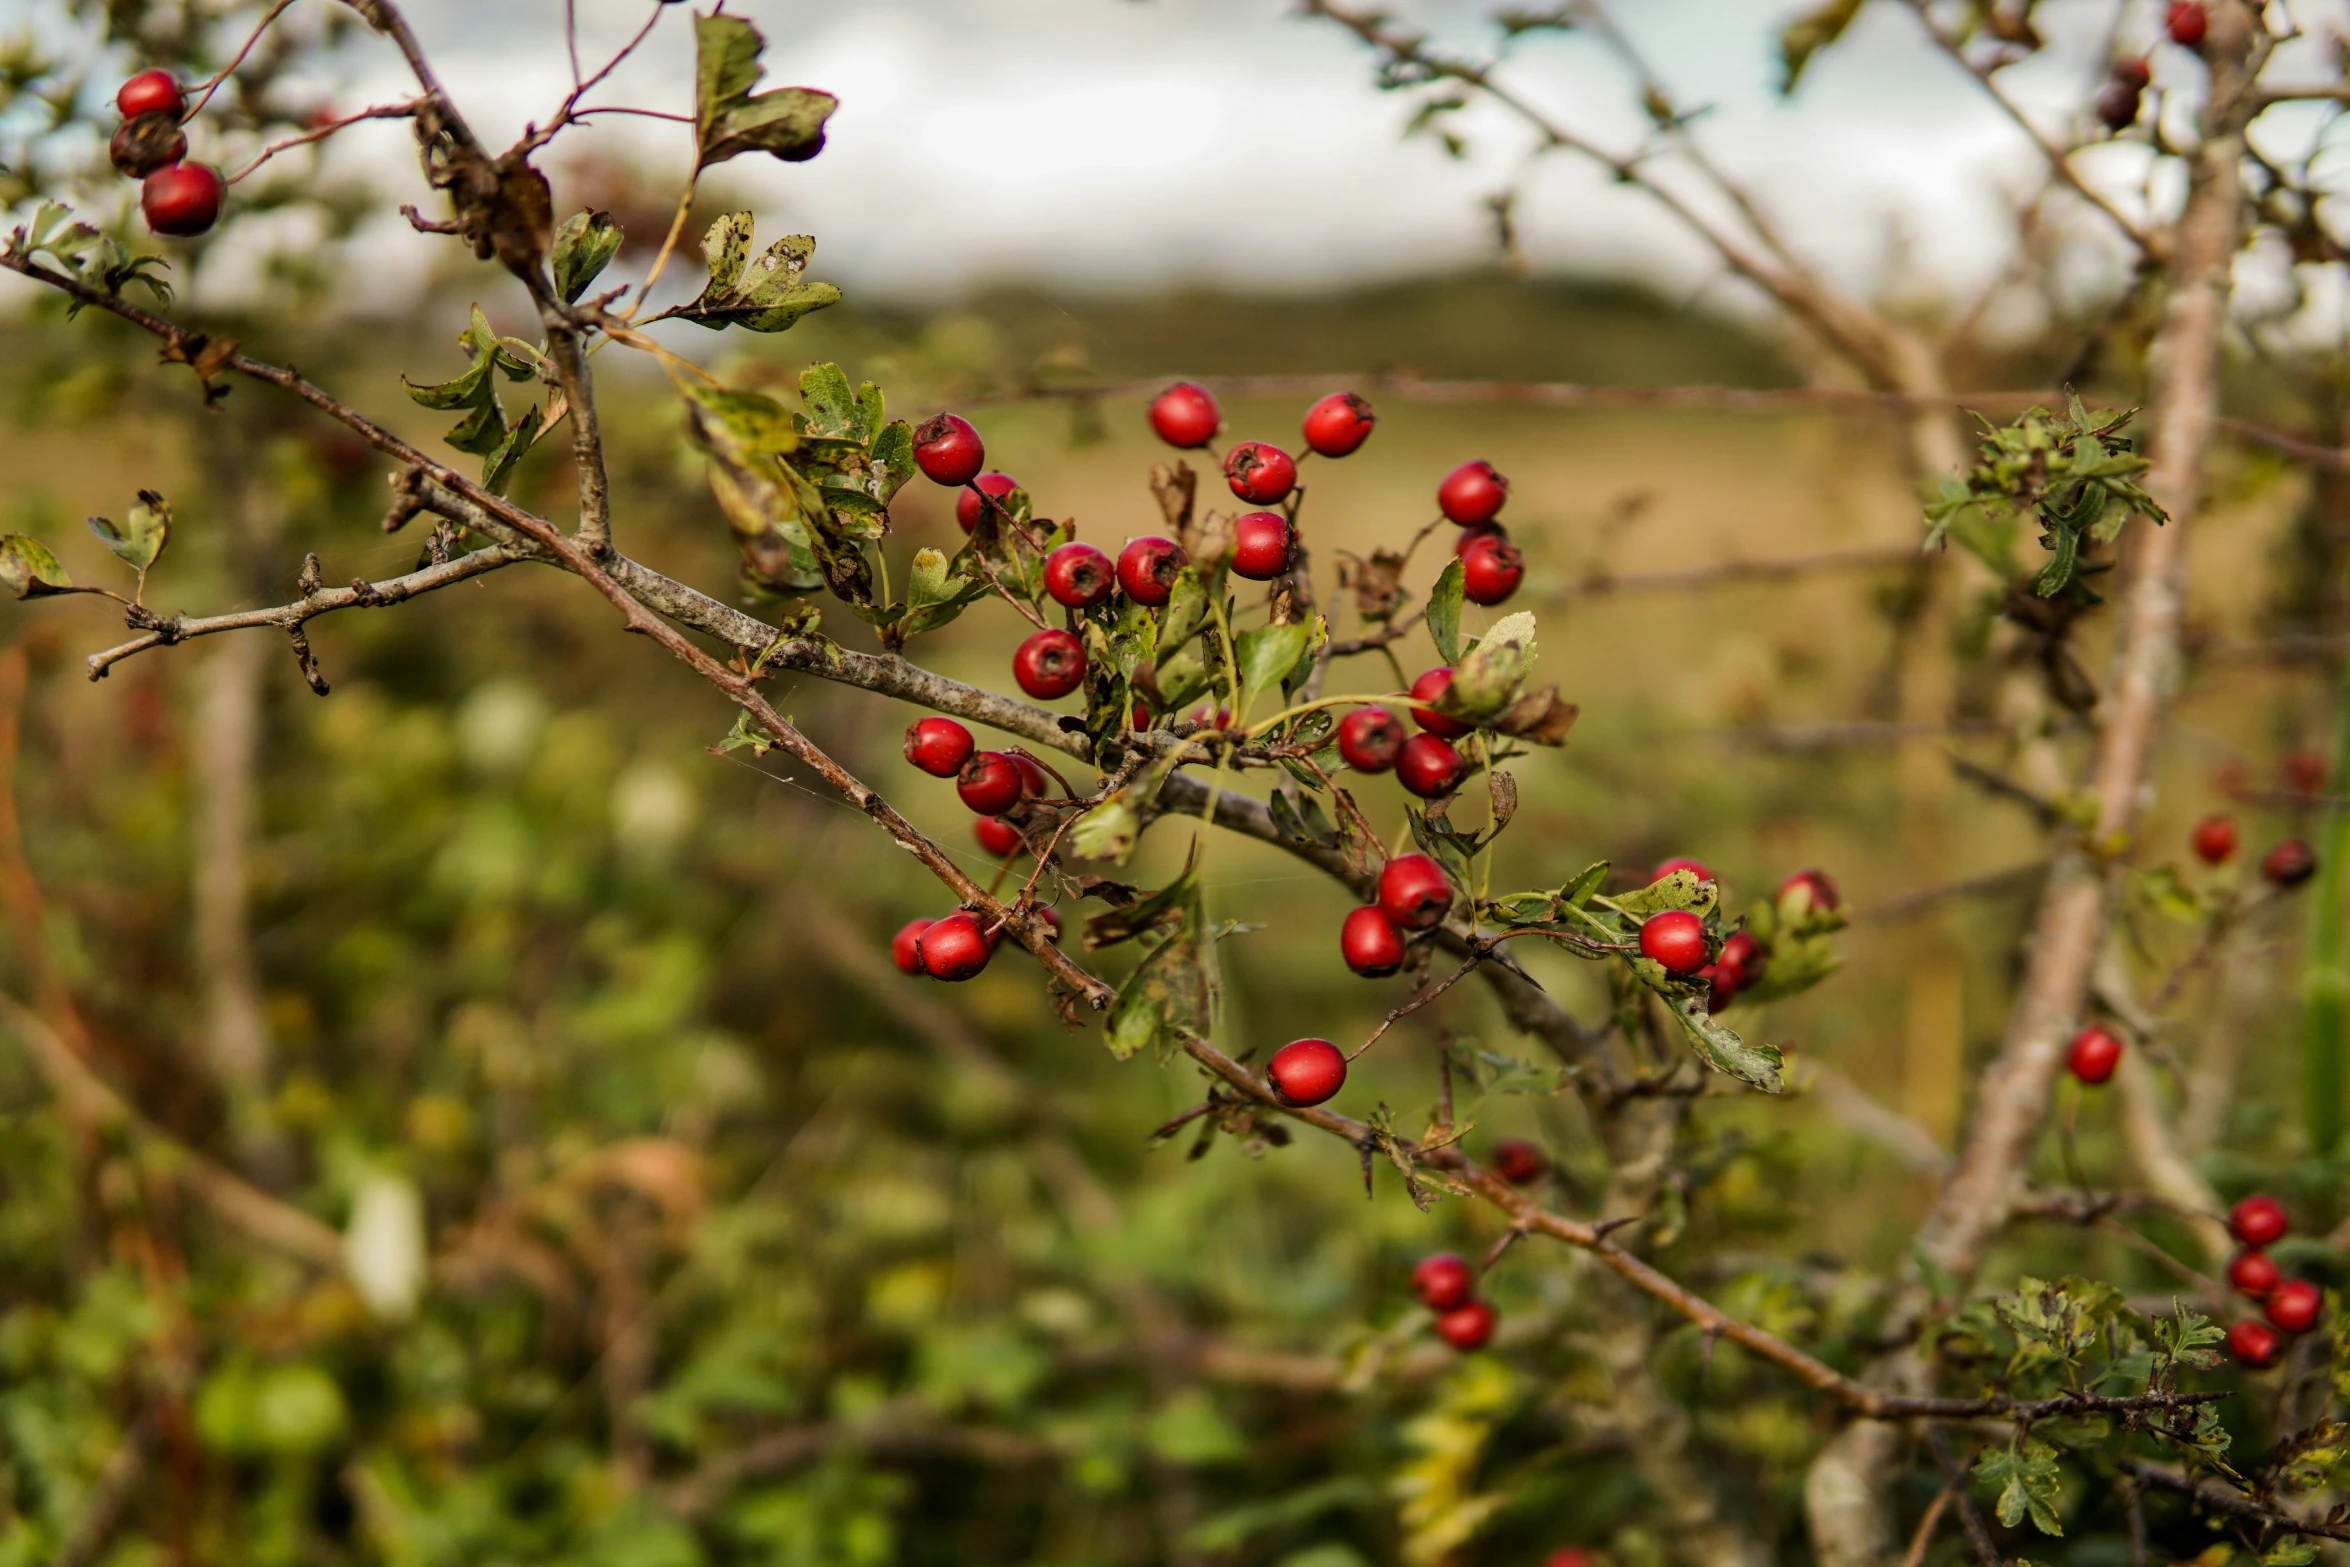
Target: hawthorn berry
(997, 836)
(1259, 473)
(901, 947)
(1519, 1162)
(1469, 538)
(1413, 892)
(1263, 545)
(948, 450)
(182, 200)
(1680, 862)
(2214, 839)
(1147, 568)
(990, 783)
(2093, 1055)
(2186, 21)
(1307, 1071)
(1370, 943)
(1491, 569)
(2253, 1271)
(2135, 70)
(1472, 494)
(1675, 939)
(1428, 766)
(1338, 425)
(2295, 1305)
(1078, 576)
(1813, 890)
(1431, 687)
(1049, 664)
(2289, 864)
(1443, 1282)
(953, 948)
(151, 92)
(2305, 772)
(139, 147)
(2255, 1344)
(1185, 416)
(1740, 961)
(1466, 1327)
(1369, 739)
(971, 505)
(2118, 103)
(939, 746)
(1035, 782)
(2259, 1220)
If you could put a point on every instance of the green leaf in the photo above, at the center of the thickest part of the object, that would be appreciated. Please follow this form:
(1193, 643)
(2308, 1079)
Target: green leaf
(1269, 653)
(766, 295)
(892, 458)
(584, 247)
(747, 732)
(832, 409)
(497, 468)
(1583, 884)
(1679, 890)
(140, 541)
(28, 570)
(1718, 1045)
(1444, 611)
(729, 120)
(1186, 611)
(754, 423)
(1109, 831)
(1166, 996)
(1488, 676)
(2027, 1477)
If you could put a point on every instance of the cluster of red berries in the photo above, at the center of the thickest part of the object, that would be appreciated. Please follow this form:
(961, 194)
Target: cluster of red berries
(2287, 865)
(1449, 1290)
(2291, 1305)
(990, 783)
(179, 198)
(1371, 740)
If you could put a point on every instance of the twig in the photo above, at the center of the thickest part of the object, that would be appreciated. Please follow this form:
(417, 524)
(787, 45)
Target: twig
(2219, 1499)
(1915, 1556)
(1954, 1482)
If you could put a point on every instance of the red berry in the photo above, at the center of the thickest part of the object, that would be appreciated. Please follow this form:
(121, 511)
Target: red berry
(990, 783)
(1049, 664)
(1201, 718)
(1035, 782)
(1519, 1162)
(1370, 943)
(1428, 766)
(2117, 104)
(1721, 987)
(151, 92)
(1816, 892)
(1740, 962)
(2255, 1344)
(1147, 568)
(1259, 473)
(901, 947)
(1185, 416)
(2289, 864)
(1307, 1071)
(1680, 862)
(1443, 1282)
(182, 201)
(1472, 494)
(2259, 1220)
(2186, 22)
(969, 507)
(1491, 569)
(1431, 687)
(954, 948)
(2215, 839)
(2134, 70)
(939, 746)
(2305, 772)
(1079, 576)
(2295, 1305)
(1468, 538)
(2253, 1271)
(1338, 424)
(948, 450)
(1263, 544)
(1570, 1556)
(1369, 739)
(2093, 1055)
(1466, 1327)
(1676, 939)
(1413, 892)
(997, 836)
(140, 147)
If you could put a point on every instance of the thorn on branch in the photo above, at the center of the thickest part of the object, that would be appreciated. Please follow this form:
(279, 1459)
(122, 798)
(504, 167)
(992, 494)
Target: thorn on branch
(407, 499)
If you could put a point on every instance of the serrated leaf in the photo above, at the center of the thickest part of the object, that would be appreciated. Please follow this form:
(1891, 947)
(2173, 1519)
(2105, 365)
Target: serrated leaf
(144, 533)
(748, 733)
(28, 570)
(1109, 831)
(766, 295)
(1583, 884)
(729, 120)
(1718, 1045)
(754, 423)
(891, 459)
(1681, 889)
(1444, 611)
(584, 247)
(1164, 998)
(1269, 653)
(1487, 678)
(2027, 1477)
